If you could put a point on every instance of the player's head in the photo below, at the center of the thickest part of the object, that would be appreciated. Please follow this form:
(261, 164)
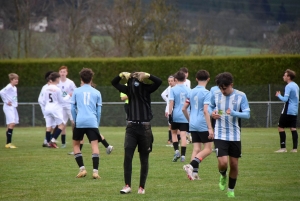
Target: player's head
(289, 75)
(63, 72)
(180, 76)
(54, 77)
(86, 75)
(171, 81)
(202, 75)
(13, 78)
(185, 70)
(225, 83)
(47, 75)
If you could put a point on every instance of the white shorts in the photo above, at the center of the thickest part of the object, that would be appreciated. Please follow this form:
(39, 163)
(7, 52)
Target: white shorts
(67, 115)
(11, 114)
(52, 121)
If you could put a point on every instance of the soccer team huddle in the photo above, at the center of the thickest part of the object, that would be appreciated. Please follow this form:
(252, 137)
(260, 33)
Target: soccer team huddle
(208, 116)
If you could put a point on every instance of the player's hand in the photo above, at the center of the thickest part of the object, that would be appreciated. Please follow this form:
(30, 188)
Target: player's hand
(170, 119)
(210, 134)
(124, 75)
(277, 93)
(215, 115)
(141, 76)
(9, 103)
(228, 111)
(166, 114)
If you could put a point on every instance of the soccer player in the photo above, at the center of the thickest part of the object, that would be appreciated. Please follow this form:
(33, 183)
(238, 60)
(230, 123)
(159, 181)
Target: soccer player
(67, 86)
(229, 106)
(86, 106)
(288, 117)
(199, 123)
(52, 102)
(165, 96)
(9, 97)
(177, 119)
(138, 130)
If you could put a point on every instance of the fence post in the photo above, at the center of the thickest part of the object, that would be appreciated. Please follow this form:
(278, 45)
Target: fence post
(33, 115)
(270, 110)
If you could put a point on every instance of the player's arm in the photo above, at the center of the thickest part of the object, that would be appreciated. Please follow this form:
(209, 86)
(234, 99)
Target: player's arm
(116, 83)
(245, 110)
(208, 122)
(73, 106)
(156, 83)
(99, 108)
(184, 109)
(4, 95)
(287, 92)
(164, 94)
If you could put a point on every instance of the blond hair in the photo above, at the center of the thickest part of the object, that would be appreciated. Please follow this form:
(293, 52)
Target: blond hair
(12, 76)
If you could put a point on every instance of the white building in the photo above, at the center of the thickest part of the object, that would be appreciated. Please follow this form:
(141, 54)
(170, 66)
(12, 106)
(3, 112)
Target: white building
(38, 24)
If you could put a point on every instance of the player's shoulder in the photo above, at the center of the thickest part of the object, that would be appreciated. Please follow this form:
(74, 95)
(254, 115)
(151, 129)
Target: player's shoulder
(238, 92)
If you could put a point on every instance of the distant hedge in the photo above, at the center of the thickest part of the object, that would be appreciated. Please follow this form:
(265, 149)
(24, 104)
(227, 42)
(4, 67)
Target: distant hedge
(247, 71)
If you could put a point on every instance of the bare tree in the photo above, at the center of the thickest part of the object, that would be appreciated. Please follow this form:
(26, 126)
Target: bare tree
(288, 44)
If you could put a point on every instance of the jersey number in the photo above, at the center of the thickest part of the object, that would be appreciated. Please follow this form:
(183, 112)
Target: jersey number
(86, 98)
(196, 102)
(50, 98)
(182, 98)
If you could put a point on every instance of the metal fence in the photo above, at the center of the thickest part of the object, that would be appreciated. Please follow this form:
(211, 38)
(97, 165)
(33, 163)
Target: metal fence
(263, 114)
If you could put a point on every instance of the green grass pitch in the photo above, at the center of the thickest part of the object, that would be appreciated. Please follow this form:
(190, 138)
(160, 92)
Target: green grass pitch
(31, 172)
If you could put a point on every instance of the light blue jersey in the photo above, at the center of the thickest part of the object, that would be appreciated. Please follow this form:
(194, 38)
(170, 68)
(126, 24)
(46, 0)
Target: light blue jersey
(86, 103)
(178, 94)
(198, 97)
(291, 99)
(227, 127)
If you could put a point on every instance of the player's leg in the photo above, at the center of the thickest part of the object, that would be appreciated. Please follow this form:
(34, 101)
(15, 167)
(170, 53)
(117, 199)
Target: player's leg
(77, 137)
(169, 134)
(108, 147)
(221, 148)
(56, 134)
(65, 115)
(184, 127)
(10, 115)
(174, 127)
(293, 125)
(95, 152)
(281, 125)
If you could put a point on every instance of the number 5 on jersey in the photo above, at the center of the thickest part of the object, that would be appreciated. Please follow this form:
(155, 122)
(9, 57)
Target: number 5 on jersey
(86, 98)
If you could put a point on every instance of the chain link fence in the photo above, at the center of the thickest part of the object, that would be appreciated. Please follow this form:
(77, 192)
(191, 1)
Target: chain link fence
(263, 114)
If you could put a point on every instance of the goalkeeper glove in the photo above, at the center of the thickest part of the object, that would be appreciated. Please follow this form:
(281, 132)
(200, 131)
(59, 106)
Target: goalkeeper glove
(124, 75)
(141, 75)
(170, 119)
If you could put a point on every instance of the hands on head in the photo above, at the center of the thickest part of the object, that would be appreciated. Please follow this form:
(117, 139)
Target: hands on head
(138, 75)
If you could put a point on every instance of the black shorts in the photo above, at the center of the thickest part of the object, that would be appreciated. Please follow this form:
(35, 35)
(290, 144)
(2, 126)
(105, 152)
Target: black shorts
(139, 135)
(91, 133)
(200, 137)
(228, 148)
(287, 121)
(180, 126)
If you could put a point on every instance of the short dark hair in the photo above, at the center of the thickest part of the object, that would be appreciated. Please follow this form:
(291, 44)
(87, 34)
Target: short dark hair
(53, 76)
(202, 75)
(86, 75)
(180, 76)
(184, 69)
(290, 73)
(47, 74)
(224, 79)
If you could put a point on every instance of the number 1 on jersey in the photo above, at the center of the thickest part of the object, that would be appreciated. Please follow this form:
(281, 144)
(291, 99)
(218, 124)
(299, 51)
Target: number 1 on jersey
(86, 98)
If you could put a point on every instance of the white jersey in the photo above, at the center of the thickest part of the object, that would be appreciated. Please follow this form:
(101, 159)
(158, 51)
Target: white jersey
(165, 95)
(187, 83)
(41, 98)
(66, 87)
(9, 94)
(52, 101)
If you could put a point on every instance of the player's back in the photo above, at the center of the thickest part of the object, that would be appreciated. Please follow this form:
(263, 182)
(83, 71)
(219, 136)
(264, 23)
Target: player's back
(52, 99)
(179, 94)
(291, 107)
(86, 99)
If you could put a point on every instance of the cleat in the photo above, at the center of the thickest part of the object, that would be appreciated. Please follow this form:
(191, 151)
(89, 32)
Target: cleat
(222, 183)
(196, 176)
(189, 171)
(230, 194)
(63, 146)
(294, 151)
(182, 159)
(282, 150)
(10, 146)
(141, 190)
(53, 145)
(82, 173)
(45, 145)
(109, 149)
(71, 153)
(176, 156)
(95, 175)
(126, 189)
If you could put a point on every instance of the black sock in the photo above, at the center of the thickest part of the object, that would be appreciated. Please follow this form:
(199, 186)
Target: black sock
(9, 133)
(170, 136)
(57, 133)
(195, 162)
(231, 183)
(79, 159)
(178, 137)
(48, 136)
(95, 158)
(295, 139)
(282, 139)
(223, 172)
(81, 145)
(104, 142)
(175, 145)
(63, 138)
(183, 150)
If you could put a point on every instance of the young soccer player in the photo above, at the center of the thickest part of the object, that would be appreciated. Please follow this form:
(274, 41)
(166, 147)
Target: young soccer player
(86, 106)
(9, 97)
(177, 119)
(288, 117)
(52, 102)
(199, 123)
(67, 86)
(229, 106)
